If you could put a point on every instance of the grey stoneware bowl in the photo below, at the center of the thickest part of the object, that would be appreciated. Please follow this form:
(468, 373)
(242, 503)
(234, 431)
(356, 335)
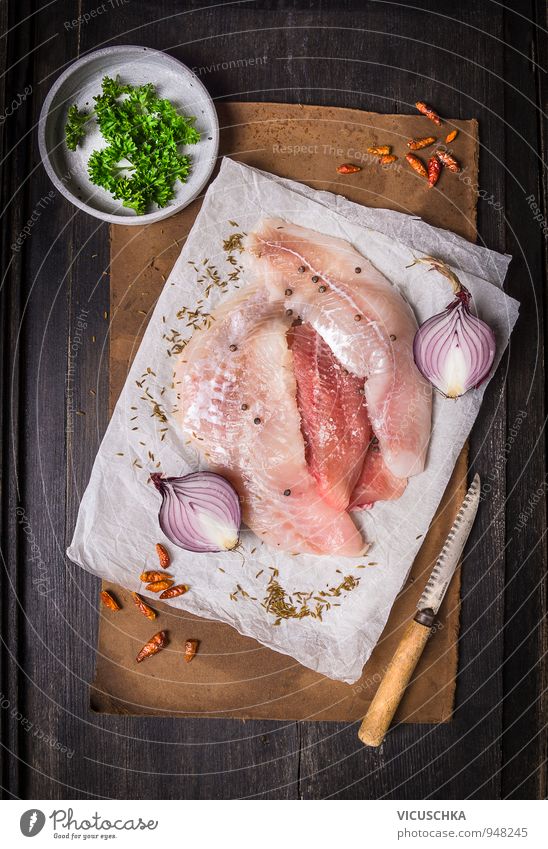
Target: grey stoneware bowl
(79, 83)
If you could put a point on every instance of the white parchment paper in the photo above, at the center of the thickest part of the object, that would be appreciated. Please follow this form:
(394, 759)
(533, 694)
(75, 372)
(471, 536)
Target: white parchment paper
(117, 525)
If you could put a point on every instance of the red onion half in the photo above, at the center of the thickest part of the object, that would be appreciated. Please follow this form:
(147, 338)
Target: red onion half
(200, 511)
(454, 349)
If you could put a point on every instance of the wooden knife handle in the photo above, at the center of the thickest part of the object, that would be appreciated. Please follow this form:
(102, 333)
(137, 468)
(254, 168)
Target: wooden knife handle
(392, 687)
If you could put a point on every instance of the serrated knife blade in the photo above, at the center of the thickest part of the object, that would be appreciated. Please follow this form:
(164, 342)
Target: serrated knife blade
(449, 557)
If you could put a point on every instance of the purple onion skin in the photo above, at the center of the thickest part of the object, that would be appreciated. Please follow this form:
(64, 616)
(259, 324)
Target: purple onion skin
(455, 332)
(185, 498)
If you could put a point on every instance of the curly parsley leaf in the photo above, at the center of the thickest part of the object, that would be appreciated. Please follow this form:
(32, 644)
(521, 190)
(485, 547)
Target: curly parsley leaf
(142, 160)
(74, 128)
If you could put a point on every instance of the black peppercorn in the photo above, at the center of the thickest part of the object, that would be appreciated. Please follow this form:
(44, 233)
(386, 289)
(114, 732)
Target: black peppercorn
(392, 337)
(289, 312)
(357, 318)
(244, 407)
(315, 278)
(301, 269)
(287, 492)
(232, 347)
(358, 270)
(256, 420)
(289, 292)
(321, 288)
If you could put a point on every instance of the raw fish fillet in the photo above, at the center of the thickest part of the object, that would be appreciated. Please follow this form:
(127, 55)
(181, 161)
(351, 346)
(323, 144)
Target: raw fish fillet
(333, 415)
(376, 482)
(363, 319)
(239, 408)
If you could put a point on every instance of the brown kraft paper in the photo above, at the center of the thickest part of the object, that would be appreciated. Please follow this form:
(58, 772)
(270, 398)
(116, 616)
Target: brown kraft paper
(232, 675)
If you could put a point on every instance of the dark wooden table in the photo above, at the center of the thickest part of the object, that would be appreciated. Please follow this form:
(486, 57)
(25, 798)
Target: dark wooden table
(471, 59)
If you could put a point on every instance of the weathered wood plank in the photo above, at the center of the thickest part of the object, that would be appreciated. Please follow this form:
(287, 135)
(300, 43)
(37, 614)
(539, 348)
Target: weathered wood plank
(20, 543)
(46, 588)
(525, 644)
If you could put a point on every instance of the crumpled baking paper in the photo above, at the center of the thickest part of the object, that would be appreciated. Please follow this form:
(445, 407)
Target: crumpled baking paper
(117, 525)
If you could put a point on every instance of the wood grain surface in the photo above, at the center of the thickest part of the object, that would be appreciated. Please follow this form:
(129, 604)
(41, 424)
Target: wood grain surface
(471, 60)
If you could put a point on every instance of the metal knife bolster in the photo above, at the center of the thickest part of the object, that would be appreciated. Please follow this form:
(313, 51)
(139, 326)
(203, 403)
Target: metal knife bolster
(447, 562)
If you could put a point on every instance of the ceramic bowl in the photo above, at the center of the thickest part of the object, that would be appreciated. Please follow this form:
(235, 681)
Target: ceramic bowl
(79, 83)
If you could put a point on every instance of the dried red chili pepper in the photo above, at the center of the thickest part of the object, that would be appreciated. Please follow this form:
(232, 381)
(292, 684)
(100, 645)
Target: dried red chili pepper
(451, 136)
(154, 645)
(143, 607)
(424, 109)
(348, 168)
(448, 160)
(173, 592)
(416, 164)
(387, 160)
(109, 601)
(159, 586)
(163, 555)
(434, 169)
(419, 143)
(379, 150)
(147, 577)
(191, 647)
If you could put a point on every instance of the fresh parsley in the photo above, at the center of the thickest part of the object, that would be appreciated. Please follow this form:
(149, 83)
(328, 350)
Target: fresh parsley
(142, 159)
(74, 128)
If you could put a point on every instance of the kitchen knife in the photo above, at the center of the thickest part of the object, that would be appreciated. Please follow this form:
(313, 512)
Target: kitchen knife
(398, 674)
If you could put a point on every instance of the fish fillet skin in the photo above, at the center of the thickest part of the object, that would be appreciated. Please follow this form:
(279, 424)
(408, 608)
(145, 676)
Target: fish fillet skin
(363, 319)
(333, 416)
(260, 448)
